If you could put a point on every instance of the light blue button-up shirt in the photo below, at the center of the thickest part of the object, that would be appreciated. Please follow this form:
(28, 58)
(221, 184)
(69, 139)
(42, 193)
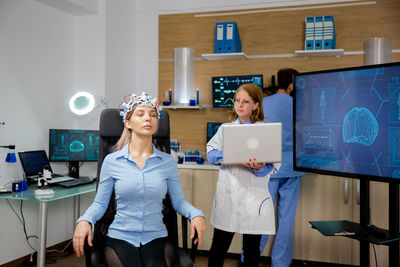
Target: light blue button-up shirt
(139, 195)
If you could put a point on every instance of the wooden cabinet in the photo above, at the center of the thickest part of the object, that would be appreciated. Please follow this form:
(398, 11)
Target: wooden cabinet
(201, 195)
(322, 198)
(325, 198)
(186, 177)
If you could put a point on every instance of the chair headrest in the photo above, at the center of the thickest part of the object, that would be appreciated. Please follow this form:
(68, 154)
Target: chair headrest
(111, 124)
(163, 127)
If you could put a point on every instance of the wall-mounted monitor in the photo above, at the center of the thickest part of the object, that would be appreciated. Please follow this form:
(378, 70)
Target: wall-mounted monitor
(212, 128)
(224, 87)
(347, 122)
(73, 146)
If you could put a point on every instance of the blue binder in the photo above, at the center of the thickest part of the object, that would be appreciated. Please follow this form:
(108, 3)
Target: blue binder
(219, 38)
(318, 32)
(309, 34)
(232, 41)
(329, 34)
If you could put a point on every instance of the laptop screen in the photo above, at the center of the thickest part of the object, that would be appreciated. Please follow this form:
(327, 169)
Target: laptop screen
(33, 162)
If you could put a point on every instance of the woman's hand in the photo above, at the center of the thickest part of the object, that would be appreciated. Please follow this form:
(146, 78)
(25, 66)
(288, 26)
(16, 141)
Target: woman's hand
(254, 164)
(198, 224)
(82, 230)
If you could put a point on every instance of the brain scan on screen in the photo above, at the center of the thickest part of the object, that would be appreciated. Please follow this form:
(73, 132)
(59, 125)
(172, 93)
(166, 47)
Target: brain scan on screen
(348, 120)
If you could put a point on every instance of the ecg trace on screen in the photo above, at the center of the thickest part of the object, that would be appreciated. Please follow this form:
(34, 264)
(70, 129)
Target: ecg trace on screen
(224, 87)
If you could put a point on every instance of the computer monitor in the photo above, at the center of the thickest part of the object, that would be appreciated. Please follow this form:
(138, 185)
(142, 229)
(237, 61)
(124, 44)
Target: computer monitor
(73, 146)
(347, 122)
(224, 87)
(212, 128)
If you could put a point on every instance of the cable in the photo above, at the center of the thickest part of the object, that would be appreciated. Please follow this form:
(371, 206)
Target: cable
(376, 259)
(60, 251)
(373, 245)
(22, 220)
(24, 225)
(12, 208)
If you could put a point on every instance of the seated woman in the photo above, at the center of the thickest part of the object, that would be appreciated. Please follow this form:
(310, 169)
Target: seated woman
(141, 176)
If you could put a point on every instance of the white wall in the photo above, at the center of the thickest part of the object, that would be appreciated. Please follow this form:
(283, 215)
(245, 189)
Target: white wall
(120, 50)
(45, 56)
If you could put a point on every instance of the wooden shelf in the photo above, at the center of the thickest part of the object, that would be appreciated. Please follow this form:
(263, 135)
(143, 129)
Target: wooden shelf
(187, 107)
(225, 56)
(320, 53)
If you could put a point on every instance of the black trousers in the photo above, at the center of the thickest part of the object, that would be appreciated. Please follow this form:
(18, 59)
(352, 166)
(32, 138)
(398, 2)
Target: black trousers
(220, 245)
(120, 253)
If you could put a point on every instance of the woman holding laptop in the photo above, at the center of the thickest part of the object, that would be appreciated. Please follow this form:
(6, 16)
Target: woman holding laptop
(242, 203)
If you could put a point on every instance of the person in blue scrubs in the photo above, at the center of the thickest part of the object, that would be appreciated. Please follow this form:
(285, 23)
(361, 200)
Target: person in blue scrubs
(141, 176)
(284, 185)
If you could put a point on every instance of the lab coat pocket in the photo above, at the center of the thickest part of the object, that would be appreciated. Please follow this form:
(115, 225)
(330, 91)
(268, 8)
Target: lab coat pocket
(264, 208)
(258, 202)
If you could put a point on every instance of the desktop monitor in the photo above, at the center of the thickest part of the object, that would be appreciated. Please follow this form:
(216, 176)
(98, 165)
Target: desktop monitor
(73, 146)
(347, 122)
(224, 87)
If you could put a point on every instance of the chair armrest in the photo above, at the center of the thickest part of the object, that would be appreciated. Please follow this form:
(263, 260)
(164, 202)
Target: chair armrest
(94, 256)
(193, 251)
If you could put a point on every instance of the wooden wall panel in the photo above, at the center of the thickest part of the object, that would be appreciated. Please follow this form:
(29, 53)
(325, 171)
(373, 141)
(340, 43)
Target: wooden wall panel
(263, 33)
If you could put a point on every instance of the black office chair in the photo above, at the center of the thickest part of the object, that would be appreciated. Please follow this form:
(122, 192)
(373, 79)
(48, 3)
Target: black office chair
(110, 130)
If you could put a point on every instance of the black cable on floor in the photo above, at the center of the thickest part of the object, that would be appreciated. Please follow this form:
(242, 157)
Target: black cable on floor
(22, 220)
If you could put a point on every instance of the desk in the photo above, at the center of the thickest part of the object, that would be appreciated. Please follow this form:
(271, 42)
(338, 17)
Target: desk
(355, 231)
(59, 193)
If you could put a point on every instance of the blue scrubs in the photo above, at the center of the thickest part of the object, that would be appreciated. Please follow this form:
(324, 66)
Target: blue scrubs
(286, 183)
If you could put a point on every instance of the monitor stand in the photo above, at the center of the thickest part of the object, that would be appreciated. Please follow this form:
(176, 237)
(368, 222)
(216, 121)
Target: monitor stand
(73, 169)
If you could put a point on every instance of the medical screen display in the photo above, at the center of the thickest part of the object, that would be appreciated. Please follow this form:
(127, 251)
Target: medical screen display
(224, 88)
(347, 122)
(73, 145)
(212, 128)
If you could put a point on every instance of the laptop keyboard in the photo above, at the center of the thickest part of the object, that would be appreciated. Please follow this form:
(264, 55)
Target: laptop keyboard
(55, 180)
(75, 182)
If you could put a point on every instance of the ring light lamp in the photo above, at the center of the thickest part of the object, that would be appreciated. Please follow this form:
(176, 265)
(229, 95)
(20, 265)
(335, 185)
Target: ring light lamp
(82, 103)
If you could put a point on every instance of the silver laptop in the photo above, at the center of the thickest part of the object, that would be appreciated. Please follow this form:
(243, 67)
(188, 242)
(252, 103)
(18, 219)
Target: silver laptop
(262, 141)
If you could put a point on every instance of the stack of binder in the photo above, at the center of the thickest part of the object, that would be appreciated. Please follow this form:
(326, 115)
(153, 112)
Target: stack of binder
(227, 39)
(320, 33)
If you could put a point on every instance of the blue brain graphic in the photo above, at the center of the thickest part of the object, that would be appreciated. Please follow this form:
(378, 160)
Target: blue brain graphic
(396, 173)
(360, 126)
(76, 146)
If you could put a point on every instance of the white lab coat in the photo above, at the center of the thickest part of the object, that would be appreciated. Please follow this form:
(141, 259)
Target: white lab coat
(242, 202)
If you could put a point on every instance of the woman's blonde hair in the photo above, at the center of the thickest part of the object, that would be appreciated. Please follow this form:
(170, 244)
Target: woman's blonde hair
(256, 94)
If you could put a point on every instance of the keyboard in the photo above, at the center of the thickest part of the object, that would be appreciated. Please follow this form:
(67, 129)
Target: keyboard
(75, 182)
(56, 180)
